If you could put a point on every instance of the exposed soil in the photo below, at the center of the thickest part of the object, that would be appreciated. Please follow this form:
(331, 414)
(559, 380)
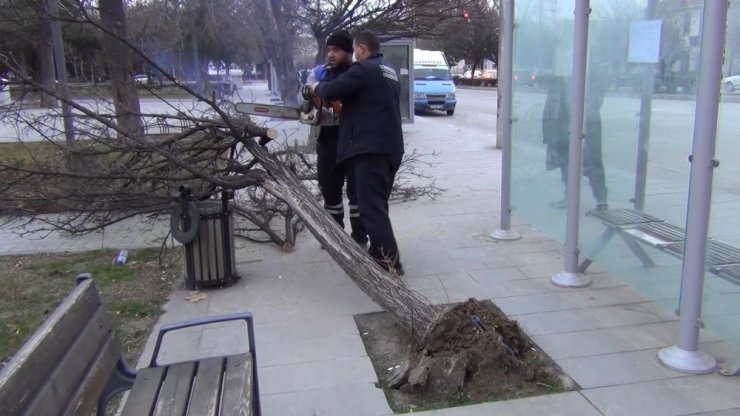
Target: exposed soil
(474, 354)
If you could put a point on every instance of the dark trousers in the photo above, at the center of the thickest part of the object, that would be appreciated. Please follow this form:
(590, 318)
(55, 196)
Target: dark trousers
(331, 182)
(374, 175)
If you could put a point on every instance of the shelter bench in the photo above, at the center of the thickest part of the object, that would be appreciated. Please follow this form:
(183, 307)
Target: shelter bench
(634, 226)
(73, 365)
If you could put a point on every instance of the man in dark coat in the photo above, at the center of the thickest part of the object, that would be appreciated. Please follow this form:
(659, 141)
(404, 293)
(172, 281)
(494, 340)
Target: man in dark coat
(331, 174)
(370, 140)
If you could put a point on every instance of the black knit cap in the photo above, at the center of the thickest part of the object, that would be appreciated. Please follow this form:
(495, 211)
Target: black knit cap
(341, 39)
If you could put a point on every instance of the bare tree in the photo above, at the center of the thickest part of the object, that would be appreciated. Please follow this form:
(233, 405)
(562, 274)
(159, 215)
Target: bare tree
(389, 18)
(474, 39)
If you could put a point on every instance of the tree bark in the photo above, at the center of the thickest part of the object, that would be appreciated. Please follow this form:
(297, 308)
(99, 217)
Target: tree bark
(46, 64)
(118, 58)
(282, 54)
(414, 312)
(321, 48)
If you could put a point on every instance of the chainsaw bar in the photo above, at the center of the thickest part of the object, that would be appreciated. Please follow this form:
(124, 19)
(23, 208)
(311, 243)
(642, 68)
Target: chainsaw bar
(267, 110)
(316, 117)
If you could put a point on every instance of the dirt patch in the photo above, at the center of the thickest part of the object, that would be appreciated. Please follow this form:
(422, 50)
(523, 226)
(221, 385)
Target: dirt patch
(474, 354)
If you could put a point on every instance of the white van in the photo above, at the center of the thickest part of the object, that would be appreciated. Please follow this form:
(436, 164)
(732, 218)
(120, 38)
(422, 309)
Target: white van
(433, 86)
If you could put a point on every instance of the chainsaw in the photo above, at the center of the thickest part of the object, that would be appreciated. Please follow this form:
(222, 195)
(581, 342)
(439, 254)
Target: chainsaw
(314, 111)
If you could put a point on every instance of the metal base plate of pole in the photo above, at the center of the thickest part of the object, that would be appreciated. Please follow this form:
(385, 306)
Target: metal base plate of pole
(573, 280)
(691, 362)
(505, 235)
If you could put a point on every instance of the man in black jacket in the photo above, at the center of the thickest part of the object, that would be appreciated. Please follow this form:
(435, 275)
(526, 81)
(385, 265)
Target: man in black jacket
(370, 140)
(331, 174)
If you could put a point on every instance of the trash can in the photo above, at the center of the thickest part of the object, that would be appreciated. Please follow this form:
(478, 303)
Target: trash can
(206, 229)
(4, 93)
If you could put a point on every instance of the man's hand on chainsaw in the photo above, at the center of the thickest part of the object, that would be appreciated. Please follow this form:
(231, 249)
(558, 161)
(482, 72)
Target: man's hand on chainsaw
(308, 91)
(306, 106)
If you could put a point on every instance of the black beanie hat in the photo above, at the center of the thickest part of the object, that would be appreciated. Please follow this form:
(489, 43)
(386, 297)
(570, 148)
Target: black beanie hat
(341, 39)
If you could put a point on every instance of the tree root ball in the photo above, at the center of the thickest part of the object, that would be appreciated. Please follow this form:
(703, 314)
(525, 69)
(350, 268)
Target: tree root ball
(471, 346)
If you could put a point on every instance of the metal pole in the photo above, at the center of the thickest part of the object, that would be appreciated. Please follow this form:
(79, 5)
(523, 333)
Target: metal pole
(505, 69)
(61, 70)
(643, 133)
(685, 357)
(570, 277)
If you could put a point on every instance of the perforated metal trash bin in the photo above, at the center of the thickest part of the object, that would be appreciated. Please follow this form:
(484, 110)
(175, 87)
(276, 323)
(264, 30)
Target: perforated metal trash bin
(208, 241)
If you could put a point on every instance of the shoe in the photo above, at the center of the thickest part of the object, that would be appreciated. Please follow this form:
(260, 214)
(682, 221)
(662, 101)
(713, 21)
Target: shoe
(602, 207)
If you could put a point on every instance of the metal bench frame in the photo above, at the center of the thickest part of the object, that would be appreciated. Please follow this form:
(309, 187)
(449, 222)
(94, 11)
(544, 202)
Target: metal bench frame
(633, 226)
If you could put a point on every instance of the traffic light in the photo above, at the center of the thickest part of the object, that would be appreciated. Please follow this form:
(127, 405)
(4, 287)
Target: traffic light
(466, 15)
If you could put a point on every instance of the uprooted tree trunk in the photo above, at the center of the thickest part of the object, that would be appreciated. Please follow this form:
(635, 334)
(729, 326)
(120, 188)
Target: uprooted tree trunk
(449, 347)
(411, 309)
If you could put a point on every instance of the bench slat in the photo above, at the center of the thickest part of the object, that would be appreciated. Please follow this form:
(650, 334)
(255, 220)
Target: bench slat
(57, 392)
(45, 348)
(143, 394)
(237, 388)
(85, 399)
(206, 390)
(175, 393)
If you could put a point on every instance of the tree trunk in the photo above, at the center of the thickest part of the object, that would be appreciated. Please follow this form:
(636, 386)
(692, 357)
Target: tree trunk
(414, 312)
(282, 55)
(46, 64)
(321, 48)
(287, 81)
(118, 58)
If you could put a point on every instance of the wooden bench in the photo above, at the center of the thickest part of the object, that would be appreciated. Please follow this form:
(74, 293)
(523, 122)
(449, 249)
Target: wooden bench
(634, 226)
(73, 365)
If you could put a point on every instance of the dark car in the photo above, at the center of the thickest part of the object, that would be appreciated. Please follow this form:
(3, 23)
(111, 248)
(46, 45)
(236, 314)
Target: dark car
(525, 76)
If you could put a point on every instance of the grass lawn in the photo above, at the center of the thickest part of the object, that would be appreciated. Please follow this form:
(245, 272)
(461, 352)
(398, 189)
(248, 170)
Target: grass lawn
(133, 294)
(26, 151)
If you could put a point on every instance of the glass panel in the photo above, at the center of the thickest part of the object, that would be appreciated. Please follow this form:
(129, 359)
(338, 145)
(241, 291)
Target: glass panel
(721, 308)
(542, 63)
(632, 81)
(638, 132)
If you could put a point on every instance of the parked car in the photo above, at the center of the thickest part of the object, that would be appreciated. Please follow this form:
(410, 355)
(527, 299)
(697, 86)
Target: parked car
(729, 84)
(141, 78)
(490, 77)
(525, 76)
(468, 74)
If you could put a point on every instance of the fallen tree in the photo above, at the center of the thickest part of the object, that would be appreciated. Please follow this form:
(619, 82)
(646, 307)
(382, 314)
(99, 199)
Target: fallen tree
(112, 172)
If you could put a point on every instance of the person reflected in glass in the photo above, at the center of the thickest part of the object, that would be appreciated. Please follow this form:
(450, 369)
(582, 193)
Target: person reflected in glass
(556, 132)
